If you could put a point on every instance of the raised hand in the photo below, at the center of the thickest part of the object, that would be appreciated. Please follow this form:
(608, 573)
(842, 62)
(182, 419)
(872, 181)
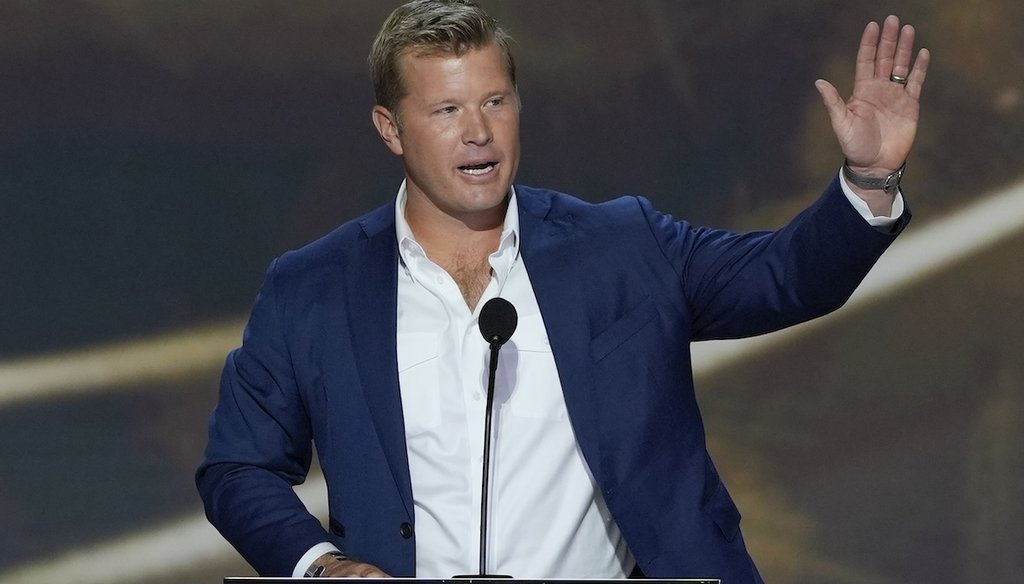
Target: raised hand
(876, 126)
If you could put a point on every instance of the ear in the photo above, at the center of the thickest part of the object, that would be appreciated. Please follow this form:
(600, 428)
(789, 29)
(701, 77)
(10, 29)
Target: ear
(387, 127)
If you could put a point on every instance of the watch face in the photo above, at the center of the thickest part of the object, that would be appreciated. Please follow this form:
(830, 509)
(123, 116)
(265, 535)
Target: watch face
(892, 182)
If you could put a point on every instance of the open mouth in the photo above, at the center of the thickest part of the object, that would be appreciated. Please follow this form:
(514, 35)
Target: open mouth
(478, 169)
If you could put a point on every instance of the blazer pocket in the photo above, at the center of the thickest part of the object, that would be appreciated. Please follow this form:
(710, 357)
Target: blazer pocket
(622, 330)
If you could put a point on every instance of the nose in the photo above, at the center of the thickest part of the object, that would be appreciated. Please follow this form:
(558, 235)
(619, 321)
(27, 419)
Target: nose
(476, 129)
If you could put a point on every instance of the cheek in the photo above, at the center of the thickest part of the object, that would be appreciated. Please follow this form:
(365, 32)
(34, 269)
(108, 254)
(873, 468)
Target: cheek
(429, 166)
(437, 142)
(510, 127)
(426, 149)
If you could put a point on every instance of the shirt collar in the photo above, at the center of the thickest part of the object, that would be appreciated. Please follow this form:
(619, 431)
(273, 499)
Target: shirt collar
(501, 260)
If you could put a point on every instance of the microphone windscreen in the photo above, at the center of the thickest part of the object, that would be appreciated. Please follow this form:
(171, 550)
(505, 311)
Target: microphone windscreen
(498, 320)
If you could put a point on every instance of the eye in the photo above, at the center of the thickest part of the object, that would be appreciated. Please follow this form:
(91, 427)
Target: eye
(496, 101)
(447, 110)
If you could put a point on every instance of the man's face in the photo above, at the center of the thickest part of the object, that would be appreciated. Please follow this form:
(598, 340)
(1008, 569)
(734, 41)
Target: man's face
(459, 134)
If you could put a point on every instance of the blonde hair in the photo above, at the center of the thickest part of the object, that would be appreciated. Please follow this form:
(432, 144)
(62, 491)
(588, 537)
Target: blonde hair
(429, 27)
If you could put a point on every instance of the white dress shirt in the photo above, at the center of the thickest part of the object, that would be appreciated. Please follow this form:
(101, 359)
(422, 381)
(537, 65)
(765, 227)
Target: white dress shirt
(547, 517)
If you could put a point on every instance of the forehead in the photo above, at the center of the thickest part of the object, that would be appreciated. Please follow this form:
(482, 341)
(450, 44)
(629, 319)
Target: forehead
(426, 70)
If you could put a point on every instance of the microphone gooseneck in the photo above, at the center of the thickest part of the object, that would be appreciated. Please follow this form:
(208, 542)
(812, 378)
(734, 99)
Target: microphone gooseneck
(498, 320)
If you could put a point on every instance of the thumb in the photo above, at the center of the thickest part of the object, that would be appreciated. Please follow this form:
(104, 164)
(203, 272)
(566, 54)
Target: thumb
(833, 103)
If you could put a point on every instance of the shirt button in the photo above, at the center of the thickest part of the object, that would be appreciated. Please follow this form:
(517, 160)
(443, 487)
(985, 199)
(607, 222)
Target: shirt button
(406, 530)
(440, 279)
(476, 396)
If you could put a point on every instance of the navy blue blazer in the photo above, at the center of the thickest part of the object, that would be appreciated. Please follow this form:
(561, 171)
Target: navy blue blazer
(623, 290)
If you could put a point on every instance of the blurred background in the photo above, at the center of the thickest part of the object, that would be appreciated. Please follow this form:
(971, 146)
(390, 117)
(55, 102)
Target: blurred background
(155, 156)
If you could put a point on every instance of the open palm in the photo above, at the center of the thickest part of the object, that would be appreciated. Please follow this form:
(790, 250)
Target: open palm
(877, 125)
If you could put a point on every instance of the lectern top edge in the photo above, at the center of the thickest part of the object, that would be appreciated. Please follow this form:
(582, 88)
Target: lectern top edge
(254, 580)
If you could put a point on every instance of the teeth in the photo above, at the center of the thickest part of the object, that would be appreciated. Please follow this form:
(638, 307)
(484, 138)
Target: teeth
(477, 170)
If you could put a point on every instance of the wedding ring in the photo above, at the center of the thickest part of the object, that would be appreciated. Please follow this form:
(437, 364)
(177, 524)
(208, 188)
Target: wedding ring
(897, 79)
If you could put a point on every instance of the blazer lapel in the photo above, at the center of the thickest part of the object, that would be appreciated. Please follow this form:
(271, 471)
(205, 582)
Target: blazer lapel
(372, 289)
(551, 255)
(553, 260)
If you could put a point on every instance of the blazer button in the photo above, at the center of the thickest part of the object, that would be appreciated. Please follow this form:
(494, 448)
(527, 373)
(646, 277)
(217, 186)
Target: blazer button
(406, 530)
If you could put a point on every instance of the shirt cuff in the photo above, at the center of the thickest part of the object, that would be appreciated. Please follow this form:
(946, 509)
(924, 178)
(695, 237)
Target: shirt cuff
(307, 559)
(865, 212)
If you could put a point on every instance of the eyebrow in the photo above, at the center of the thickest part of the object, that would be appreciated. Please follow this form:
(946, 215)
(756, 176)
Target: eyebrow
(450, 100)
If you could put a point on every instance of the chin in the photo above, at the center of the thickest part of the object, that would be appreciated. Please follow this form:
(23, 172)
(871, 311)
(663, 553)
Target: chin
(487, 198)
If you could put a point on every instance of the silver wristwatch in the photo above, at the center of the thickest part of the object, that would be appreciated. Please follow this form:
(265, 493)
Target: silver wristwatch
(316, 570)
(890, 184)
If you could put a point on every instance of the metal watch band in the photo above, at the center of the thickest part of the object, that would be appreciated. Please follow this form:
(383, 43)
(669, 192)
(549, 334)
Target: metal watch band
(316, 570)
(889, 184)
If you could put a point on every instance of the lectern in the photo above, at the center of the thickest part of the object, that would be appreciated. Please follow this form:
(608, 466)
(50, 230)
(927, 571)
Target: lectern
(483, 580)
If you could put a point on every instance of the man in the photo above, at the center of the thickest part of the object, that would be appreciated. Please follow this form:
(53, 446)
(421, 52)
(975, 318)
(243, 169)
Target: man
(366, 341)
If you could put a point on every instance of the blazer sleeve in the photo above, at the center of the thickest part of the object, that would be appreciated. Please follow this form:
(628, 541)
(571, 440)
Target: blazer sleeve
(260, 447)
(739, 285)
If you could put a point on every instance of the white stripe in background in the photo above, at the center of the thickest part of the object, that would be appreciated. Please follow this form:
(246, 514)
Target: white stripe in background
(147, 555)
(191, 541)
(104, 368)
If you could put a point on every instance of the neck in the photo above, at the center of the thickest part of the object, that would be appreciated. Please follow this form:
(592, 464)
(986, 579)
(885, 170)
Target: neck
(444, 235)
(459, 245)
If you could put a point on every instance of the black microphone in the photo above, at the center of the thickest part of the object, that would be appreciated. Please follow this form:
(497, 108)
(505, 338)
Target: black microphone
(498, 320)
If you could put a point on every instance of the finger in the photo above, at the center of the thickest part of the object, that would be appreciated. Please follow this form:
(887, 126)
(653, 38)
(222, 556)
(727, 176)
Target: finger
(886, 54)
(866, 53)
(354, 569)
(918, 73)
(370, 571)
(834, 104)
(904, 51)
